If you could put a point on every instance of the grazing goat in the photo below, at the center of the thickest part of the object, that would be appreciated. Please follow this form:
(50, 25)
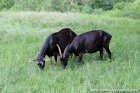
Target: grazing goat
(89, 42)
(50, 48)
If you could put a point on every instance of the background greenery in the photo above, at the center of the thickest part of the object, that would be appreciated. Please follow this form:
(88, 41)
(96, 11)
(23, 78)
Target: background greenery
(61, 5)
(126, 8)
(25, 25)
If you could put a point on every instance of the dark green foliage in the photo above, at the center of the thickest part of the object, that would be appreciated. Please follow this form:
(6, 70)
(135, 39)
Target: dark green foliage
(61, 5)
(6, 4)
(106, 4)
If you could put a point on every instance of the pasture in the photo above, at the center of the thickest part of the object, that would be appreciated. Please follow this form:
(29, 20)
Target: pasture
(22, 35)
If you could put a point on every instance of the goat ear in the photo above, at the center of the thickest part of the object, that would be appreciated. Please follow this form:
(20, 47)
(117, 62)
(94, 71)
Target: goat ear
(59, 51)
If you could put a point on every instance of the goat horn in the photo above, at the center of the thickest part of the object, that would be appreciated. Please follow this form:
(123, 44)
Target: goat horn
(59, 50)
(31, 61)
(64, 54)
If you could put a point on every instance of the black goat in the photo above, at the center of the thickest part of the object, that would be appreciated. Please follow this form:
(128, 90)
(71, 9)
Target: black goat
(88, 42)
(56, 40)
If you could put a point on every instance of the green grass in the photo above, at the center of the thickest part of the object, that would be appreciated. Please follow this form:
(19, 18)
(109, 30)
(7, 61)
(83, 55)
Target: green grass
(22, 35)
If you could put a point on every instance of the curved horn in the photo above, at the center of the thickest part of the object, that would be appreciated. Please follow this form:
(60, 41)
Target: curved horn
(31, 60)
(64, 54)
(59, 50)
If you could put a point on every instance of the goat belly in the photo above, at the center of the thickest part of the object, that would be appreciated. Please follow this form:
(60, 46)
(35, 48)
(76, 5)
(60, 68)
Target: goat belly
(91, 50)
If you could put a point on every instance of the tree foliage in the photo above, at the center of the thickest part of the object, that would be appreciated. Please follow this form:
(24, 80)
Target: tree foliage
(60, 5)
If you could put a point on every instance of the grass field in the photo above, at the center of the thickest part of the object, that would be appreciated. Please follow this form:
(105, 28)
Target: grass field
(22, 35)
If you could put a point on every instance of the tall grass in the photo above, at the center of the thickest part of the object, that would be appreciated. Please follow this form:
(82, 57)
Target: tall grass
(22, 35)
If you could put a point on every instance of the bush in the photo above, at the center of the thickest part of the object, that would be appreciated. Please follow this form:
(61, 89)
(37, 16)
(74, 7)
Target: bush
(132, 10)
(6, 4)
(62, 5)
(87, 9)
(30, 5)
(119, 5)
(98, 11)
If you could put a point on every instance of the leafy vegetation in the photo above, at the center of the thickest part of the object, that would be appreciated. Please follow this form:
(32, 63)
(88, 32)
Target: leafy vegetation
(60, 5)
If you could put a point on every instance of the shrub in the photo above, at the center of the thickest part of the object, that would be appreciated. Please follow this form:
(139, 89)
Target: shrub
(119, 6)
(87, 9)
(132, 10)
(62, 5)
(6, 4)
